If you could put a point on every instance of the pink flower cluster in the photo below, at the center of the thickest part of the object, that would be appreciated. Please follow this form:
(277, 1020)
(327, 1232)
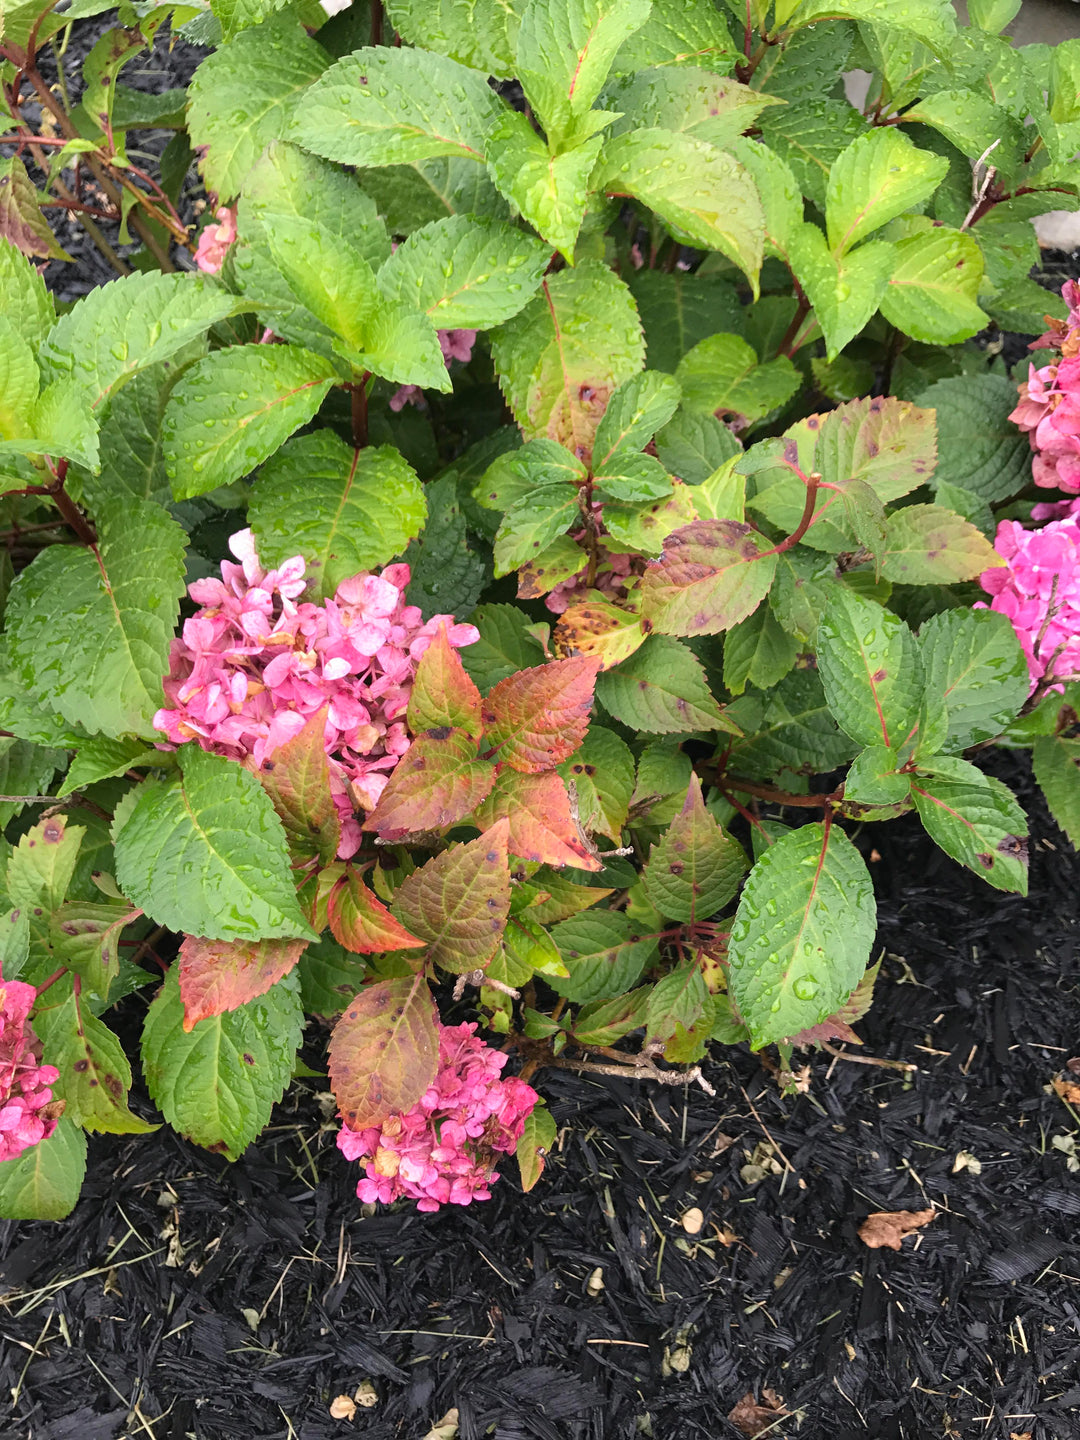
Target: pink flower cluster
(1039, 590)
(27, 1115)
(1049, 408)
(611, 577)
(455, 345)
(441, 1152)
(215, 240)
(256, 662)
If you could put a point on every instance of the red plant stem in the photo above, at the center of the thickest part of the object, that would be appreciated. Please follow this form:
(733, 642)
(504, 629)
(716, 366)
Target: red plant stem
(787, 344)
(376, 22)
(812, 482)
(56, 975)
(781, 797)
(359, 397)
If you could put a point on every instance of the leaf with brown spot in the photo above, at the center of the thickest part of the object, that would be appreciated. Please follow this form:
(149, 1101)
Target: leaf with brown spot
(442, 693)
(21, 220)
(297, 779)
(751, 1418)
(537, 809)
(95, 1076)
(596, 627)
(695, 867)
(539, 717)
(712, 574)
(459, 901)
(86, 937)
(220, 975)
(537, 1137)
(361, 922)
(437, 782)
(384, 1051)
(562, 560)
(885, 1229)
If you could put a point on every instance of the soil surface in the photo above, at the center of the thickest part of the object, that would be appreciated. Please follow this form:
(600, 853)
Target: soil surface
(192, 1298)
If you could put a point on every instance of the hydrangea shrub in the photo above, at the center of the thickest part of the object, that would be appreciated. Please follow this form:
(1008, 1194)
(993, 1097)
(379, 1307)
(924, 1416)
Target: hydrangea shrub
(619, 520)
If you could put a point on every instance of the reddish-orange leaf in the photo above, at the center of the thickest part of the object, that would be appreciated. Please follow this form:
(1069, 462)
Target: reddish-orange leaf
(220, 975)
(297, 779)
(437, 782)
(443, 694)
(537, 809)
(384, 1052)
(362, 923)
(537, 718)
(460, 901)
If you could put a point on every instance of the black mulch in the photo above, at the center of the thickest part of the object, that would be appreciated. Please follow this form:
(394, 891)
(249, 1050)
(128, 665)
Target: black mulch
(191, 1298)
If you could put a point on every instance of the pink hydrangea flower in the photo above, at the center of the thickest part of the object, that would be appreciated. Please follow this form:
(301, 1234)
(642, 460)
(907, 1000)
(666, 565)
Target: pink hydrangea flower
(214, 240)
(27, 1112)
(441, 1152)
(1039, 590)
(256, 662)
(1049, 408)
(455, 345)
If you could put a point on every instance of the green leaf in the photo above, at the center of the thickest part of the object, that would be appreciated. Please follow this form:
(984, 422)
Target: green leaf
(329, 977)
(551, 191)
(869, 665)
(465, 272)
(245, 94)
(781, 197)
(206, 854)
(978, 447)
(132, 462)
(661, 689)
(972, 122)
(564, 52)
(975, 819)
(630, 478)
(635, 412)
(679, 32)
(992, 15)
(90, 636)
(602, 772)
(810, 135)
(506, 645)
(480, 33)
(86, 937)
(409, 196)
(712, 574)
(1056, 769)
(929, 545)
(40, 868)
(888, 443)
(218, 1083)
(695, 868)
(24, 299)
(872, 779)
(695, 446)
(679, 310)
(14, 943)
(344, 510)
(530, 526)
(95, 1076)
(690, 101)
(43, 1183)
(790, 728)
(605, 952)
(102, 758)
(19, 382)
(232, 410)
(973, 660)
(759, 651)
(845, 293)
(802, 934)
(704, 194)
(677, 1002)
(538, 1135)
(605, 1021)
(560, 358)
(459, 902)
(932, 291)
(932, 21)
(722, 373)
(130, 324)
(447, 576)
(25, 769)
(879, 176)
(237, 15)
(387, 106)
(21, 220)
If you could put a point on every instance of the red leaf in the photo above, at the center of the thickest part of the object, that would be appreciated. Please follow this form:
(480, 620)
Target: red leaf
(220, 975)
(712, 574)
(443, 694)
(437, 782)
(542, 827)
(538, 718)
(362, 923)
(460, 901)
(297, 779)
(384, 1052)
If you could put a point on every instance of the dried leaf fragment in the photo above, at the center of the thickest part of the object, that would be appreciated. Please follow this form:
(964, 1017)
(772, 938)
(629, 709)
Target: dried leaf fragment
(342, 1407)
(885, 1229)
(752, 1418)
(692, 1221)
(1069, 1090)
